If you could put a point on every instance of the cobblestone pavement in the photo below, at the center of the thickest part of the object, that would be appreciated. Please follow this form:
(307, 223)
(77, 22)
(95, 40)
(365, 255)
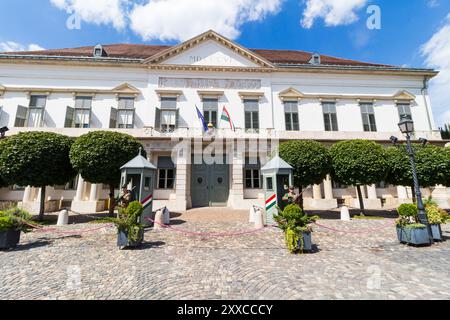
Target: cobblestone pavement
(171, 265)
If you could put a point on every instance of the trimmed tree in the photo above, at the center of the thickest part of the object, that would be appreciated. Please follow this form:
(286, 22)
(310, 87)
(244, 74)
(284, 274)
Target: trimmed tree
(447, 167)
(432, 165)
(358, 163)
(98, 156)
(310, 160)
(36, 159)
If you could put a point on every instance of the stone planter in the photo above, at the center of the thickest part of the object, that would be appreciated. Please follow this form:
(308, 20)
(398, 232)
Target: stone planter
(9, 239)
(414, 236)
(436, 232)
(307, 242)
(123, 242)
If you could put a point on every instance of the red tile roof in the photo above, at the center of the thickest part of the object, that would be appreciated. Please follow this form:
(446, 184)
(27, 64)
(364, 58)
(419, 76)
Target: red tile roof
(142, 51)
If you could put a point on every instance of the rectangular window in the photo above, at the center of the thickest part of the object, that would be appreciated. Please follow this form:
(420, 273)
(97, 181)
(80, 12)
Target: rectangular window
(166, 173)
(252, 173)
(251, 108)
(147, 183)
(269, 182)
(36, 111)
(291, 115)
(125, 113)
(368, 117)
(168, 115)
(82, 113)
(404, 111)
(330, 116)
(210, 110)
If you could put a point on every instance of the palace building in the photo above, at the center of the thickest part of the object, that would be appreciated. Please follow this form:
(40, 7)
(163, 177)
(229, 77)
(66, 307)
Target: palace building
(250, 99)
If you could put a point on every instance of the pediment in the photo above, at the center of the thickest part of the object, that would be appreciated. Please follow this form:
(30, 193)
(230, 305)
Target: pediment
(126, 88)
(404, 95)
(2, 88)
(291, 94)
(209, 49)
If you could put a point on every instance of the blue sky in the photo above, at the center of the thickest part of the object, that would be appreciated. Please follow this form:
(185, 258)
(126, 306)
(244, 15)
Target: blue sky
(334, 27)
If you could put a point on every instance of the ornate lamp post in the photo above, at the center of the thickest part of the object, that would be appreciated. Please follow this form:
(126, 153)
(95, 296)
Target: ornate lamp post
(407, 128)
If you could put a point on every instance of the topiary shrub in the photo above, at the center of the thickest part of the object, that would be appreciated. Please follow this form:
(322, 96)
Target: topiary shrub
(128, 221)
(436, 215)
(409, 214)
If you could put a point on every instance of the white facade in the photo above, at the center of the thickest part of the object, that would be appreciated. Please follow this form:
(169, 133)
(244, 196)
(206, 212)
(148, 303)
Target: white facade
(214, 68)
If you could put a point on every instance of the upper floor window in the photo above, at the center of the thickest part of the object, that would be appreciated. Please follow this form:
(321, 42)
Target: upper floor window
(125, 113)
(330, 116)
(210, 111)
(166, 173)
(291, 115)
(82, 115)
(404, 111)
(368, 117)
(252, 173)
(36, 111)
(251, 108)
(166, 118)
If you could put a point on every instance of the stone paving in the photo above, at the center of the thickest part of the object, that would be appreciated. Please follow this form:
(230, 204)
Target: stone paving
(171, 265)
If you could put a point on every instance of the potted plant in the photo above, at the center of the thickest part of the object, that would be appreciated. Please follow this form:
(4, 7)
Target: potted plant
(436, 217)
(12, 223)
(296, 226)
(409, 230)
(130, 230)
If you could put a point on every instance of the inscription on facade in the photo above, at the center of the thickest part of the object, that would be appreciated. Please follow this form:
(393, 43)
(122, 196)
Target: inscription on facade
(203, 83)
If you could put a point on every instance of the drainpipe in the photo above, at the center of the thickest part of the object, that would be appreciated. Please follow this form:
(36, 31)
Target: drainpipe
(424, 94)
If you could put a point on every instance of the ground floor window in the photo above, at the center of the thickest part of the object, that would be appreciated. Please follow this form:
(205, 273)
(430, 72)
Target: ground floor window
(252, 179)
(166, 173)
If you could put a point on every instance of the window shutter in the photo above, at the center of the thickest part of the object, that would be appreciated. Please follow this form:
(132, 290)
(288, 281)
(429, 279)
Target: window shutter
(1, 111)
(42, 124)
(157, 118)
(113, 118)
(70, 112)
(177, 119)
(21, 116)
(132, 118)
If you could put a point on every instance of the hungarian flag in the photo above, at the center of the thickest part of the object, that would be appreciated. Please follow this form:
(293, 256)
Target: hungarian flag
(226, 117)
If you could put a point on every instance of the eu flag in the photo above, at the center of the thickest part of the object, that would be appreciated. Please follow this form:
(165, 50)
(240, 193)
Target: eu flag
(202, 119)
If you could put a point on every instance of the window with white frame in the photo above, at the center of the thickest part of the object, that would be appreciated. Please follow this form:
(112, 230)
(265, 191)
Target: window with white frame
(368, 117)
(404, 111)
(210, 110)
(82, 113)
(330, 116)
(166, 173)
(36, 111)
(125, 113)
(291, 115)
(252, 173)
(167, 116)
(251, 108)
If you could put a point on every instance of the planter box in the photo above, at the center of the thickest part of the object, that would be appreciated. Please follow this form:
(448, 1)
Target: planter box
(415, 236)
(437, 232)
(9, 239)
(123, 242)
(307, 242)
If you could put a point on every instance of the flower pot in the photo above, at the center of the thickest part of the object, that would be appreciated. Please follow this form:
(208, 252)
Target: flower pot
(123, 242)
(9, 239)
(414, 236)
(307, 241)
(436, 232)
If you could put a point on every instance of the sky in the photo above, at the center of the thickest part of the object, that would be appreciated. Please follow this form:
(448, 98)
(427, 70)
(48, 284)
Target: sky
(410, 33)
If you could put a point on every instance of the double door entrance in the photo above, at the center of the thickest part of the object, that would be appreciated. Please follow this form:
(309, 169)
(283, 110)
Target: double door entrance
(210, 185)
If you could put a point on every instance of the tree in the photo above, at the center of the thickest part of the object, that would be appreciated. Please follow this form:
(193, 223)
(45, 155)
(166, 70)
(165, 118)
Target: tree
(358, 163)
(432, 164)
(447, 167)
(445, 132)
(36, 159)
(310, 160)
(98, 156)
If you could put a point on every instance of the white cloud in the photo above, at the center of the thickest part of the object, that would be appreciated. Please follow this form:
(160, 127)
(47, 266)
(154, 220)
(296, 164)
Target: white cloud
(97, 11)
(437, 55)
(11, 46)
(181, 20)
(334, 12)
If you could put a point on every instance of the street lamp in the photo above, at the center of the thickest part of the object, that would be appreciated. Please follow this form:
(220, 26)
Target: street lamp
(407, 127)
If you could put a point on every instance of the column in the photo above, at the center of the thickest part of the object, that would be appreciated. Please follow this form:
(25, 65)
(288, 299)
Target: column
(93, 196)
(317, 192)
(26, 194)
(372, 192)
(402, 193)
(328, 188)
(80, 189)
(237, 180)
(181, 178)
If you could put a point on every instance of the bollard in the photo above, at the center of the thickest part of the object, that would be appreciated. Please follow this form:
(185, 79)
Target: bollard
(252, 214)
(159, 220)
(63, 218)
(345, 214)
(166, 216)
(259, 219)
